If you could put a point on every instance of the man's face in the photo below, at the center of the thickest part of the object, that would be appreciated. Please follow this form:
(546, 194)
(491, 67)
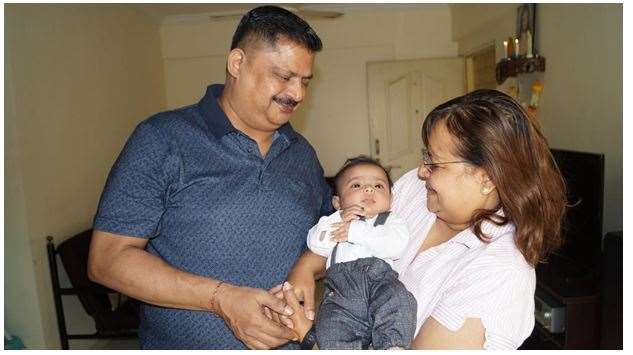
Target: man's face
(365, 185)
(272, 81)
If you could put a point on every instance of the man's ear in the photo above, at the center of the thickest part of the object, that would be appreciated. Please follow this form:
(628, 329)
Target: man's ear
(336, 202)
(234, 61)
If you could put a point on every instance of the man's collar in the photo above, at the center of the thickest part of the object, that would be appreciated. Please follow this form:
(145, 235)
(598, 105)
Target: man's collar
(217, 121)
(213, 114)
(287, 131)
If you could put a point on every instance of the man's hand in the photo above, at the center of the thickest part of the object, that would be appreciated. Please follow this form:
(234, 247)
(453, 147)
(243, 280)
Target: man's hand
(242, 308)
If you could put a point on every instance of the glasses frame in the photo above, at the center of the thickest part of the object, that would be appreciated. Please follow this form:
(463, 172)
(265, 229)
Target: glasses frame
(430, 165)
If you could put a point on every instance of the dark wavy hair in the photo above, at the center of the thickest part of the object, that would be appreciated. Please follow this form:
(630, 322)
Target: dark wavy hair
(268, 23)
(356, 161)
(494, 132)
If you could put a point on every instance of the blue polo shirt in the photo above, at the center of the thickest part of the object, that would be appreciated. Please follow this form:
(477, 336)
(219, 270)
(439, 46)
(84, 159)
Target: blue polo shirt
(209, 204)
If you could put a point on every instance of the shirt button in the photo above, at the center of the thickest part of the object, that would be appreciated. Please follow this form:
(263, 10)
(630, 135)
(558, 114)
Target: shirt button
(330, 294)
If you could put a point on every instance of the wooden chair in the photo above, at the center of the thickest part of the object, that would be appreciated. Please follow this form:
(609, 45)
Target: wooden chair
(111, 321)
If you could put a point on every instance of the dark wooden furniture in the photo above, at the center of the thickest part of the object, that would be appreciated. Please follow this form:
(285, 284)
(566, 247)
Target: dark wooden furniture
(511, 67)
(578, 290)
(118, 321)
(611, 300)
(582, 319)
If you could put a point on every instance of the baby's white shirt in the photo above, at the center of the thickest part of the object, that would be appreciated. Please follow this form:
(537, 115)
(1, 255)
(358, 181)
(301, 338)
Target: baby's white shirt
(386, 241)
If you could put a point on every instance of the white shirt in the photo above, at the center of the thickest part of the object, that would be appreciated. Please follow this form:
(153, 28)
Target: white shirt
(386, 241)
(465, 277)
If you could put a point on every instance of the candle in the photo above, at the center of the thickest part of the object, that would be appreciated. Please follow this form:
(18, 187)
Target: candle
(516, 47)
(505, 49)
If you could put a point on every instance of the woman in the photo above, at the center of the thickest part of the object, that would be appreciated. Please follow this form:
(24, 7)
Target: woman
(484, 208)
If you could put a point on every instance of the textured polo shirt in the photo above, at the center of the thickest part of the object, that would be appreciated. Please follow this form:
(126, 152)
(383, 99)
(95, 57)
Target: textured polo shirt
(209, 204)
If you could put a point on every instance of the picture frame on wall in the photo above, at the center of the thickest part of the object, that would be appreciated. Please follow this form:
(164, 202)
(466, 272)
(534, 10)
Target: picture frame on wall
(525, 29)
(525, 19)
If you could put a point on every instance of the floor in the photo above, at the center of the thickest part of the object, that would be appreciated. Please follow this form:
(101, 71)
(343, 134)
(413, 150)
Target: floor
(104, 344)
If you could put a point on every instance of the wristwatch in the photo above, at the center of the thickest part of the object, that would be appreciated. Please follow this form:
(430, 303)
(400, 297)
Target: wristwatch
(309, 340)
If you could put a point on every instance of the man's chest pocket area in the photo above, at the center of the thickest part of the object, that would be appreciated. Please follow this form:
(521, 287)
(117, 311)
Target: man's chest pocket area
(298, 202)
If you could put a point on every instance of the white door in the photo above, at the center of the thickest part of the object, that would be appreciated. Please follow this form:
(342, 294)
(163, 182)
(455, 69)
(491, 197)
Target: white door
(401, 94)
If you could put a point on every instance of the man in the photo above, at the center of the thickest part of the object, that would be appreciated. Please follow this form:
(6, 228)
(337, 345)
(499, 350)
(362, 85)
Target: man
(208, 205)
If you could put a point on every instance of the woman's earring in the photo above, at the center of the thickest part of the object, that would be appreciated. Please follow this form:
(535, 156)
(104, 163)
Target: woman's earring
(485, 190)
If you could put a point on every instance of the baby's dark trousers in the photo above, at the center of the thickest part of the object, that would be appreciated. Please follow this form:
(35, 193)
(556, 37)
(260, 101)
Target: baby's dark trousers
(365, 304)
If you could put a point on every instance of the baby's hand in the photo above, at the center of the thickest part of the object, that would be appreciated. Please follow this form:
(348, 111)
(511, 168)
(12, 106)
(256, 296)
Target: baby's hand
(340, 231)
(351, 213)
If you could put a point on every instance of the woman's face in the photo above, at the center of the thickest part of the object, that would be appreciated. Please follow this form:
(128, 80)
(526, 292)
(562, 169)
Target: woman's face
(454, 190)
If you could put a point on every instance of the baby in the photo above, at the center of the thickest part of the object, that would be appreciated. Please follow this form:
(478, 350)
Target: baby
(364, 302)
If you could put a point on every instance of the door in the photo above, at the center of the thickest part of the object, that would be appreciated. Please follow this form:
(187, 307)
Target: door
(401, 94)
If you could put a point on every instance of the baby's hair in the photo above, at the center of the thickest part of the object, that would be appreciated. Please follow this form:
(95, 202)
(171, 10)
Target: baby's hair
(356, 161)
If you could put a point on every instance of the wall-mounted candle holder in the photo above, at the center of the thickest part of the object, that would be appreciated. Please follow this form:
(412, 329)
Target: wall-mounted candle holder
(510, 67)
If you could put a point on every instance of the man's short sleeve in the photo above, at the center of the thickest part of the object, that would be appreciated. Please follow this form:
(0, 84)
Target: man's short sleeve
(133, 198)
(502, 299)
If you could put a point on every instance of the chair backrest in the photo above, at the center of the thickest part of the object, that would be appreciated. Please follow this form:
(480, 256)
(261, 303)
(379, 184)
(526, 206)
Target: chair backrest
(73, 253)
(119, 322)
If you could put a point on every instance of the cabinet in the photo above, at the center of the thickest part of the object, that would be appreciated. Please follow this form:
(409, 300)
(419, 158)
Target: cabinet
(581, 299)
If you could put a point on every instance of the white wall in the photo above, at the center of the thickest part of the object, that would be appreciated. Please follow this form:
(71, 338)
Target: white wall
(581, 105)
(78, 79)
(334, 117)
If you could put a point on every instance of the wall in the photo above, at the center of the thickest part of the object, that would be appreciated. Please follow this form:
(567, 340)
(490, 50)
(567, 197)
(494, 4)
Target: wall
(581, 106)
(334, 116)
(78, 79)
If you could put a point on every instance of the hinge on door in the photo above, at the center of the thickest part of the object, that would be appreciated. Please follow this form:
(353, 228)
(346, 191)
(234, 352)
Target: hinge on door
(377, 146)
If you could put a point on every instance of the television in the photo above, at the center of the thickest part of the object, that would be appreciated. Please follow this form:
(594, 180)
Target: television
(577, 262)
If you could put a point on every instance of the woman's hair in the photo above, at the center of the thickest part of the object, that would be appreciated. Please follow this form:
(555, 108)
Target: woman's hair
(494, 132)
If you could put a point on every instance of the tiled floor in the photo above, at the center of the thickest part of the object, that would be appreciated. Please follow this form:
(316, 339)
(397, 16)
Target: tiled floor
(104, 344)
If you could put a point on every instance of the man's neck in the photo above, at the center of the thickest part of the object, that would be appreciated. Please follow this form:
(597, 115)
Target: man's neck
(263, 139)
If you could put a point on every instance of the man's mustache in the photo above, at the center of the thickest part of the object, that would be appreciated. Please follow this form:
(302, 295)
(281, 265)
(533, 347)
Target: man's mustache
(286, 101)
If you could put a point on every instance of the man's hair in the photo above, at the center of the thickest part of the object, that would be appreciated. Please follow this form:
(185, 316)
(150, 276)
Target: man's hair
(356, 161)
(269, 23)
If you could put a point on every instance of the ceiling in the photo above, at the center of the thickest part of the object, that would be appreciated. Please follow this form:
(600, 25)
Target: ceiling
(191, 12)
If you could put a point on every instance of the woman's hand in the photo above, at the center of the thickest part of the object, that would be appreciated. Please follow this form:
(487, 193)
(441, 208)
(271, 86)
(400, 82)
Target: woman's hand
(301, 323)
(299, 294)
(309, 268)
(306, 270)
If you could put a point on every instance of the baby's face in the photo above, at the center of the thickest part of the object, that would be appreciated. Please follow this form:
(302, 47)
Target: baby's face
(365, 185)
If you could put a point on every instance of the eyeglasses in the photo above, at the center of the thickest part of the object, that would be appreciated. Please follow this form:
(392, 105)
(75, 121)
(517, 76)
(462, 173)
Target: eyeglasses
(429, 164)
